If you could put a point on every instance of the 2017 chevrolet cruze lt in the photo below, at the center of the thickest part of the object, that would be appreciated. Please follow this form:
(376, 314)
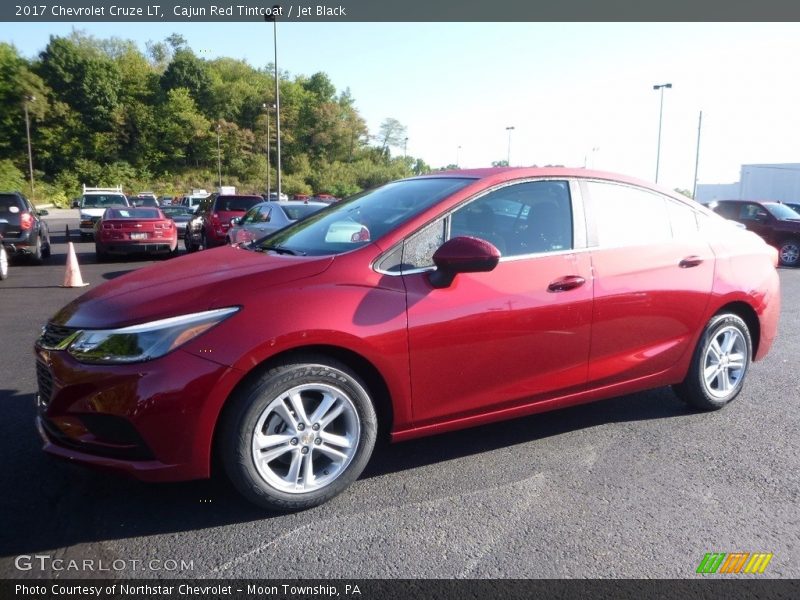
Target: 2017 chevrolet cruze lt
(422, 306)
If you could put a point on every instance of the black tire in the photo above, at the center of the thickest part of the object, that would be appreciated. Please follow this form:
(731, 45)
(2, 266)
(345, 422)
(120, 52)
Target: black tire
(3, 263)
(719, 387)
(188, 243)
(789, 252)
(203, 240)
(86, 237)
(264, 405)
(36, 256)
(46, 249)
(100, 254)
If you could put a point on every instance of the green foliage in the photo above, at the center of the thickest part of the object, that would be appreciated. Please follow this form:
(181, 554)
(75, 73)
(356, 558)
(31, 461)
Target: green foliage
(107, 114)
(11, 178)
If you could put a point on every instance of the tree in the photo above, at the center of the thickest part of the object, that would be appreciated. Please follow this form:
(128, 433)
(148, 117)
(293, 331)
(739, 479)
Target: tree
(191, 73)
(391, 133)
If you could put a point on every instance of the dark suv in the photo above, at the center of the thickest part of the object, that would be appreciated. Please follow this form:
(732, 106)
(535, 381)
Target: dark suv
(212, 220)
(25, 233)
(778, 224)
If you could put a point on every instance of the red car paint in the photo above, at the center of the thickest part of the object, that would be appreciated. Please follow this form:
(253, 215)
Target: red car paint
(534, 334)
(127, 230)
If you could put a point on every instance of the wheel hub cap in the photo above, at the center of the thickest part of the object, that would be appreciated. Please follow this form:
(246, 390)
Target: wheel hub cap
(305, 438)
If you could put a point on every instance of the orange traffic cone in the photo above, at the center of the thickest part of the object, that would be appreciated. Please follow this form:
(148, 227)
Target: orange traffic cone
(72, 277)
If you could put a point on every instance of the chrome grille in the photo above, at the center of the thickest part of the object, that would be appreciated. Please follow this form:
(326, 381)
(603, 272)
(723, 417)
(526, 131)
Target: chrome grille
(53, 335)
(44, 378)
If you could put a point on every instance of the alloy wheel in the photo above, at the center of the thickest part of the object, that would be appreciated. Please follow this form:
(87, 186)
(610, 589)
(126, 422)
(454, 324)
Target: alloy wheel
(305, 438)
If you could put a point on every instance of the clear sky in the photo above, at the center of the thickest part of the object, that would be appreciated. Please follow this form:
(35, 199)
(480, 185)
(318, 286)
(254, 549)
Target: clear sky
(575, 93)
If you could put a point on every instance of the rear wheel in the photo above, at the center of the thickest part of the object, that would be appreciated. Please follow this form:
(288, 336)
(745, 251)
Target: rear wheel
(299, 435)
(100, 254)
(203, 240)
(46, 250)
(36, 255)
(789, 252)
(719, 364)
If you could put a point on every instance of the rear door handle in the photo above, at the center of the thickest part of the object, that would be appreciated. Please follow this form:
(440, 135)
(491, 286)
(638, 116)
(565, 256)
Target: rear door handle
(564, 284)
(689, 262)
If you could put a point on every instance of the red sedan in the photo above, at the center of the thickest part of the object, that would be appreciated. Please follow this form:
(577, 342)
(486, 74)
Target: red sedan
(131, 230)
(422, 306)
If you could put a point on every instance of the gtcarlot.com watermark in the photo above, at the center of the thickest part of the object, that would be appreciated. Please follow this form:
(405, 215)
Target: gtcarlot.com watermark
(45, 562)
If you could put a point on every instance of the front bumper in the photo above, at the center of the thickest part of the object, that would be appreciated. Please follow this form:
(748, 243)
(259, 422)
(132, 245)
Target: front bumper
(153, 420)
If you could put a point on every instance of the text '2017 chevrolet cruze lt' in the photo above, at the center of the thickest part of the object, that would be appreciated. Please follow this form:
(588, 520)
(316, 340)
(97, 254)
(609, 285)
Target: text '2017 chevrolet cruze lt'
(422, 306)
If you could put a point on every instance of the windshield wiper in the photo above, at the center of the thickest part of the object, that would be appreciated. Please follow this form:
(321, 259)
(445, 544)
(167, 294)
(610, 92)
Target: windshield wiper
(279, 250)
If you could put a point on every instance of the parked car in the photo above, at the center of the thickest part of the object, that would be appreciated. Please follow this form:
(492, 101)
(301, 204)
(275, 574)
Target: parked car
(131, 230)
(25, 232)
(192, 202)
(211, 222)
(467, 297)
(328, 198)
(144, 199)
(165, 200)
(795, 206)
(266, 217)
(93, 204)
(180, 215)
(777, 223)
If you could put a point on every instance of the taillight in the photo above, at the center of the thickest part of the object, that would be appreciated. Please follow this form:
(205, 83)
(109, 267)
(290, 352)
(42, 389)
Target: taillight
(25, 220)
(108, 226)
(361, 236)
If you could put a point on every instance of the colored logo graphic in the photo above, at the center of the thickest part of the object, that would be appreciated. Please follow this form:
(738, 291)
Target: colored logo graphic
(735, 562)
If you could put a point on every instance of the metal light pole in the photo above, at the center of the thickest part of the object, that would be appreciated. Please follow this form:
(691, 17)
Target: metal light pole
(458, 155)
(277, 99)
(219, 158)
(28, 132)
(509, 129)
(697, 155)
(269, 174)
(405, 148)
(660, 118)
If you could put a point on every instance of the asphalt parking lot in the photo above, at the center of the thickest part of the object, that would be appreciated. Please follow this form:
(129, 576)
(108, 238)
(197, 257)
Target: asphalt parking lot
(636, 486)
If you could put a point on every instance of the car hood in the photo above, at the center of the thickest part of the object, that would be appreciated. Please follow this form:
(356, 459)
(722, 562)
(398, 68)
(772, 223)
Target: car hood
(202, 281)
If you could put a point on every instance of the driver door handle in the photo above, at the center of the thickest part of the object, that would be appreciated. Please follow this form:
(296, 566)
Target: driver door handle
(689, 262)
(564, 284)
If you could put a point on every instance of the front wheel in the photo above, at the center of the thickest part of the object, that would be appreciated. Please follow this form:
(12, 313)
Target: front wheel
(299, 435)
(719, 365)
(789, 253)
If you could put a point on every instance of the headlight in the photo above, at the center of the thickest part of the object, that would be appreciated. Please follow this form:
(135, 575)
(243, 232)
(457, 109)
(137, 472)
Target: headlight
(143, 342)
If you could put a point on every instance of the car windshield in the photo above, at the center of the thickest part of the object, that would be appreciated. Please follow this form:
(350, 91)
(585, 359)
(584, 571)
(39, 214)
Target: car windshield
(781, 211)
(9, 203)
(237, 203)
(295, 212)
(176, 211)
(98, 200)
(363, 218)
(132, 213)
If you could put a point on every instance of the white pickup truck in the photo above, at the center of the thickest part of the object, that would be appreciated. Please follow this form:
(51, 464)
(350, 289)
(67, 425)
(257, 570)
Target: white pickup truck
(93, 203)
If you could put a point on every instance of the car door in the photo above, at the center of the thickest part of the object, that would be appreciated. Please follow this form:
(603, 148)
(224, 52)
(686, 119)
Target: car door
(758, 220)
(653, 277)
(512, 336)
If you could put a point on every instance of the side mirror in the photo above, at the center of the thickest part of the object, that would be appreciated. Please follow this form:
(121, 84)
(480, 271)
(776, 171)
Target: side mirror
(462, 255)
(42, 212)
(236, 221)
